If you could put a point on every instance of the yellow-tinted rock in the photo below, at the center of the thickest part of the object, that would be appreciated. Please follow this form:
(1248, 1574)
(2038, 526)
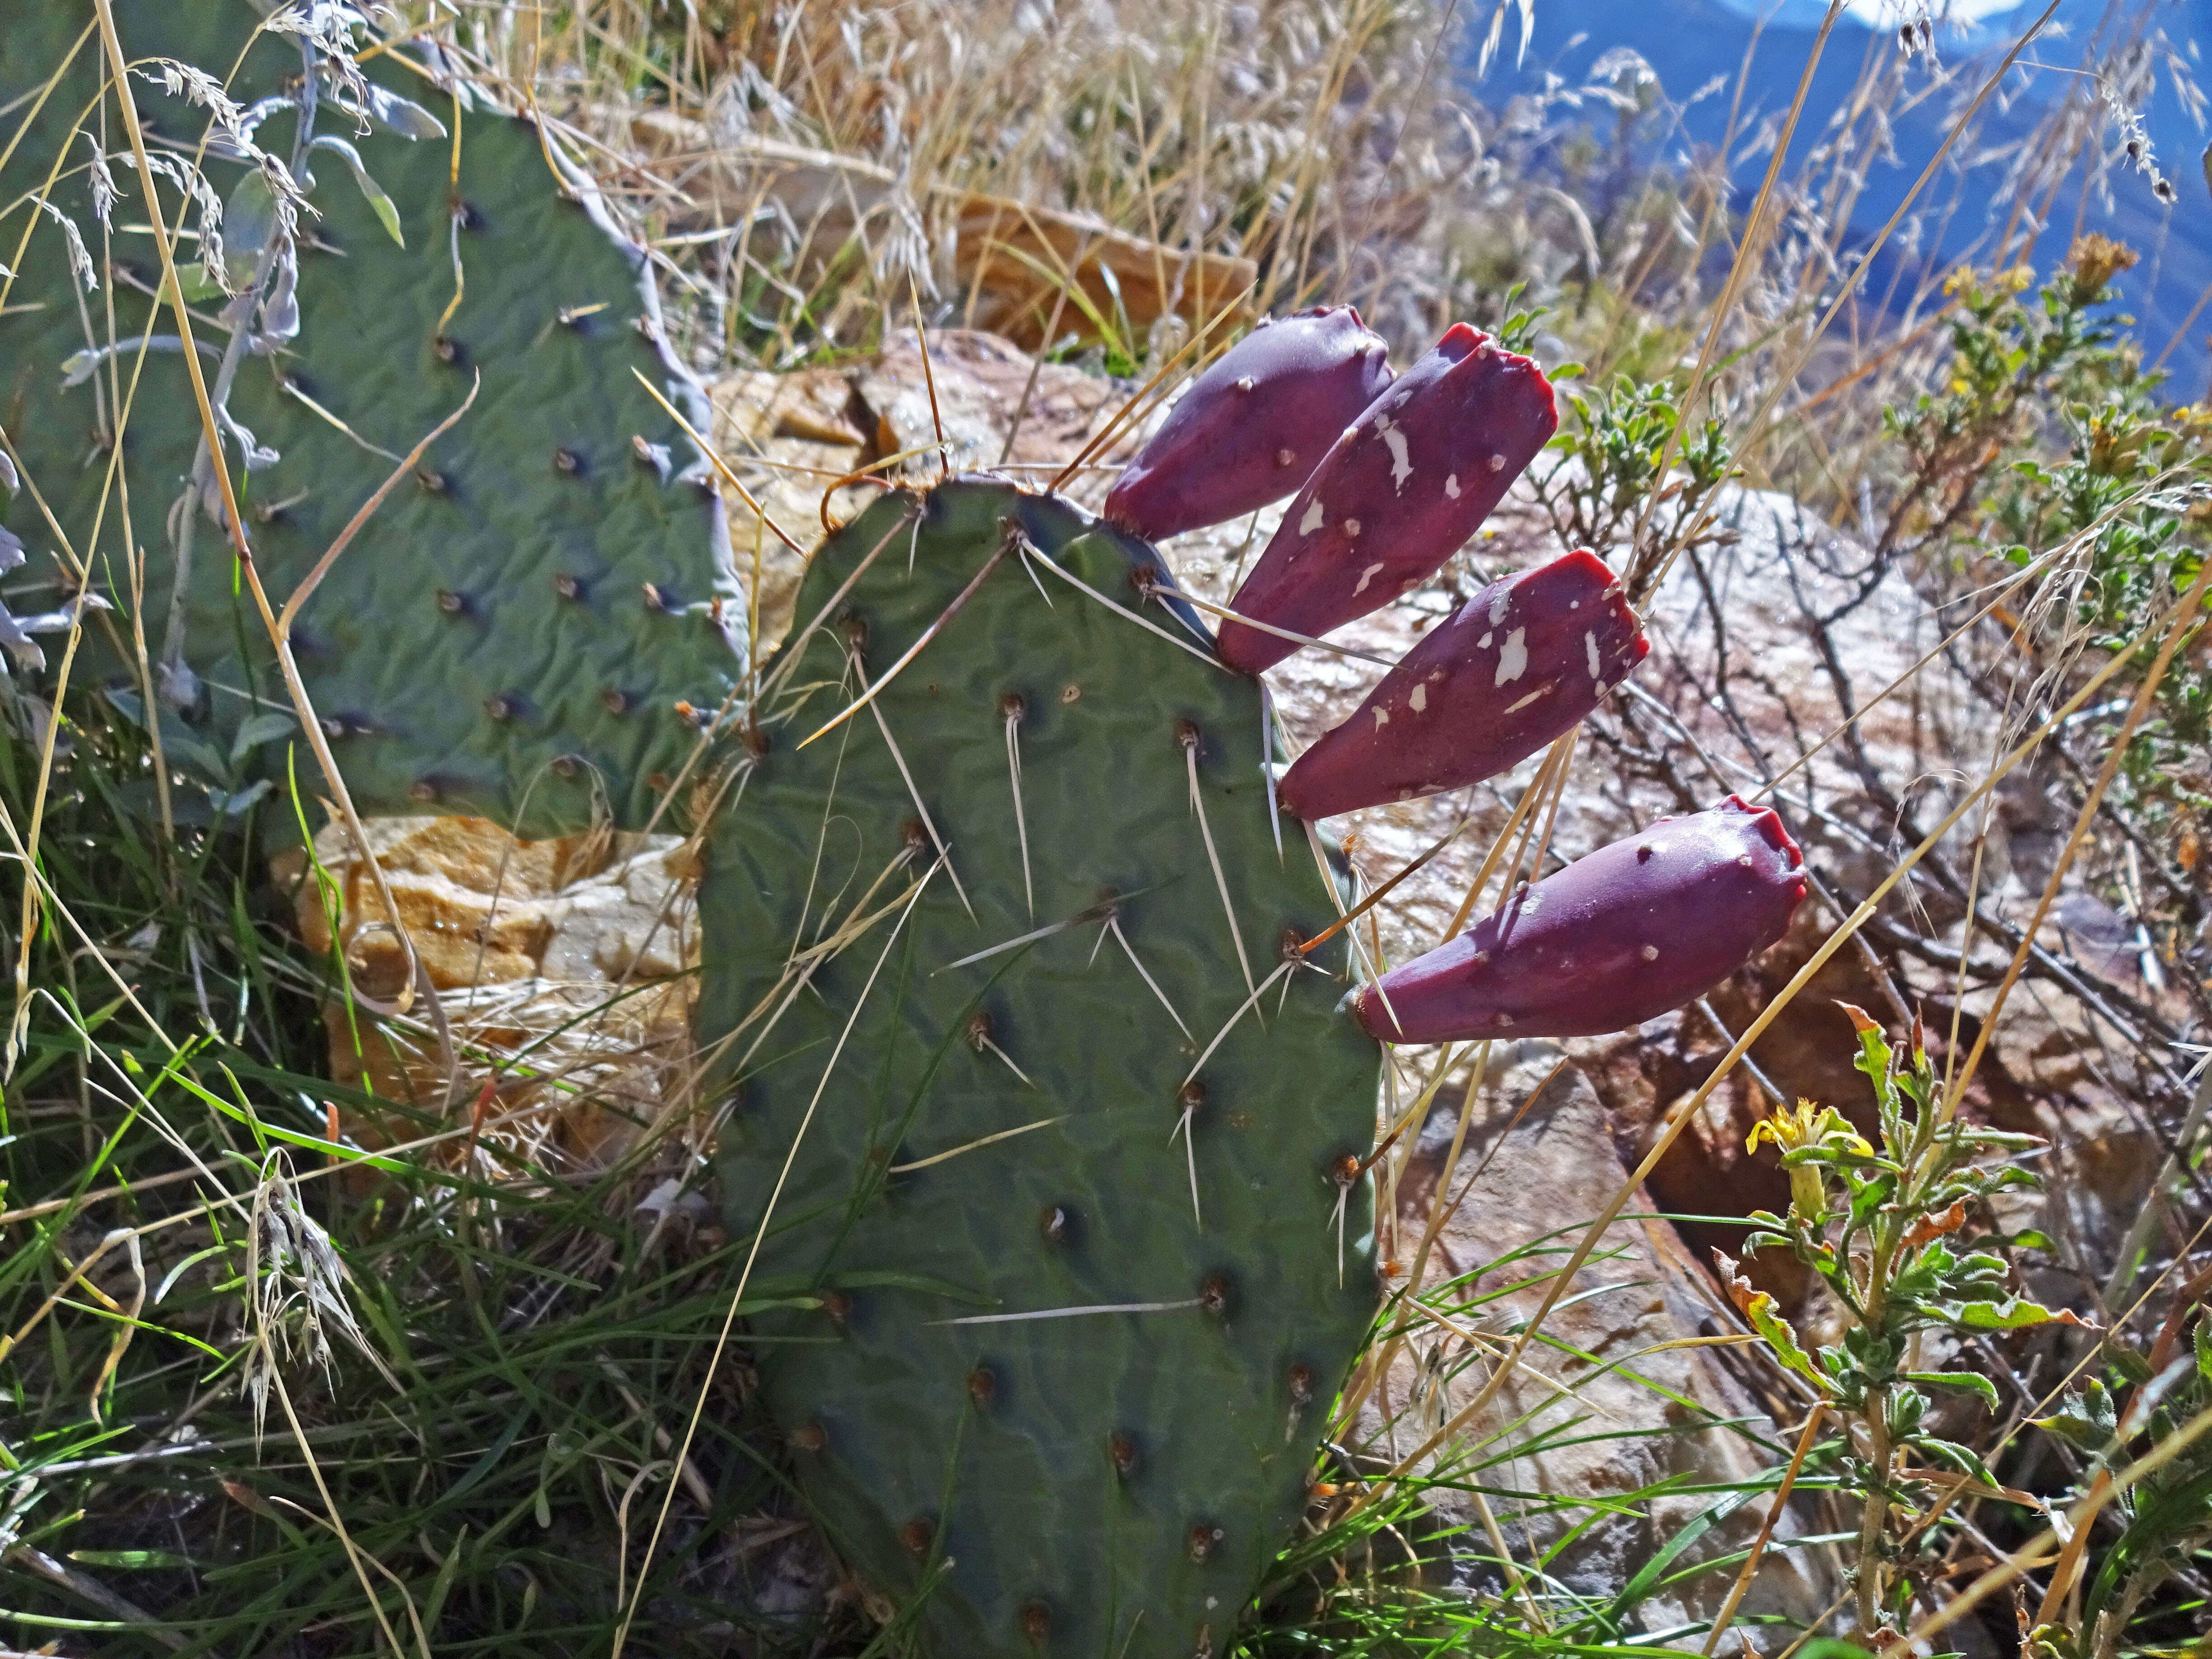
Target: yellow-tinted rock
(574, 950)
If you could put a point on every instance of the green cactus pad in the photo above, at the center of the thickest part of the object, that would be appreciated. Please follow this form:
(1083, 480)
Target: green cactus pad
(1091, 1483)
(488, 645)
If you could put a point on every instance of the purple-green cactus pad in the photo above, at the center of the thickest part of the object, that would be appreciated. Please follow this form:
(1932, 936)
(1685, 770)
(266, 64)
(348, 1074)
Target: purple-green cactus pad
(532, 627)
(1104, 1459)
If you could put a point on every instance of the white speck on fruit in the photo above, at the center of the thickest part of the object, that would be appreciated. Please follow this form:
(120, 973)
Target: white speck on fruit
(1382, 719)
(1316, 516)
(1499, 605)
(1401, 464)
(1244, 384)
(1497, 464)
(1352, 526)
(1589, 639)
(1365, 577)
(1420, 700)
(1513, 658)
(1650, 953)
(1483, 644)
(1451, 485)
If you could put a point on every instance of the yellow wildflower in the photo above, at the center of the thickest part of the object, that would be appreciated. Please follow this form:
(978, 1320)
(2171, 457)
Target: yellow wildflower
(1805, 1125)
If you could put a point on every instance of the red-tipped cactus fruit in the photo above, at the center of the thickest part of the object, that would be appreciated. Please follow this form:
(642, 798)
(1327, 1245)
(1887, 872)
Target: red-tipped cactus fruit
(1252, 429)
(1396, 495)
(1517, 664)
(1635, 929)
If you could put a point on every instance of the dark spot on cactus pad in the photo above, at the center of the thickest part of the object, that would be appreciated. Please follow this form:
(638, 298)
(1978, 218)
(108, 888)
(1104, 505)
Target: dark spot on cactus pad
(809, 1437)
(855, 628)
(427, 791)
(448, 350)
(1302, 1384)
(346, 723)
(838, 1306)
(507, 706)
(979, 1030)
(569, 586)
(982, 1386)
(568, 766)
(453, 603)
(616, 701)
(1344, 1170)
(1191, 1096)
(433, 482)
(915, 835)
(569, 461)
(1213, 1295)
(914, 1537)
(1011, 706)
(1037, 1623)
(1070, 693)
(467, 216)
(1121, 1453)
(1055, 1224)
(1187, 734)
(1203, 1538)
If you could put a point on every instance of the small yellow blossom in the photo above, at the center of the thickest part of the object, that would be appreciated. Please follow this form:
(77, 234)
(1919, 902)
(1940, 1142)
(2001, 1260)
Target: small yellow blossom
(1805, 1125)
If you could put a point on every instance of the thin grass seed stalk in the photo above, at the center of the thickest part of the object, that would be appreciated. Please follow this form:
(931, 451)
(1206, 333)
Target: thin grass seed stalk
(1033, 1081)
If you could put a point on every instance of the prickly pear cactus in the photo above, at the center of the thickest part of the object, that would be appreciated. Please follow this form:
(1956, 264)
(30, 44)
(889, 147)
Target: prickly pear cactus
(1058, 1369)
(518, 631)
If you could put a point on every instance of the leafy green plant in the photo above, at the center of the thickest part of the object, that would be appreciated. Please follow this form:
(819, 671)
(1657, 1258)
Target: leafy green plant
(1898, 1234)
(1606, 488)
(2165, 1518)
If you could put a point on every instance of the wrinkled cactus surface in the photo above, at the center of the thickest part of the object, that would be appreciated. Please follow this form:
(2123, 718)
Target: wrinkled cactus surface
(1102, 1458)
(1254, 426)
(1621, 936)
(1397, 494)
(513, 633)
(1515, 667)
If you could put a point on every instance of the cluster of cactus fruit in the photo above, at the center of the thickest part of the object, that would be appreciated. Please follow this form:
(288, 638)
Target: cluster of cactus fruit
(1047, 1113)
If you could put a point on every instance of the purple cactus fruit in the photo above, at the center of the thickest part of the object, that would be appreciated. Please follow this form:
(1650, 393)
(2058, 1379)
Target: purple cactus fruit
(1396, 496)
(1630, 931)
(1253, 427)
(1519, 664)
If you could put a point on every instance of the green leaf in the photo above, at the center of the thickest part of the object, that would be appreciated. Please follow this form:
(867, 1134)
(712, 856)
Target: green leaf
(258, 729)
(249, 223)
(154, 1558)
(1759, 1308)
(1972, 1382)
(2076, 1430)
(2012, 1313)
(372, 192)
